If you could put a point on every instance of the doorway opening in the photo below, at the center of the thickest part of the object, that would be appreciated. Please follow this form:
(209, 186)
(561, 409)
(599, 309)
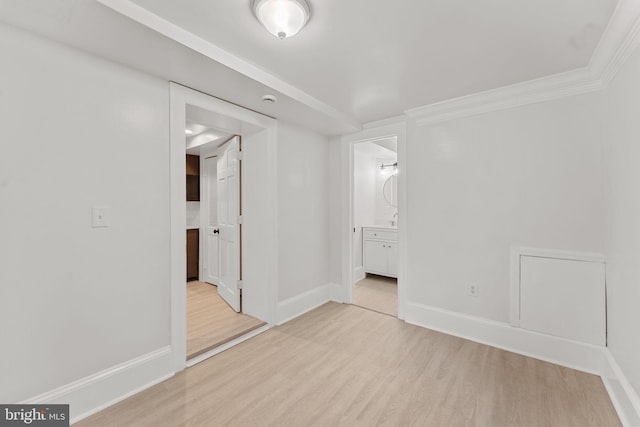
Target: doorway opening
(375, 225)
(222, 196)
(373, 234)
(214, 256)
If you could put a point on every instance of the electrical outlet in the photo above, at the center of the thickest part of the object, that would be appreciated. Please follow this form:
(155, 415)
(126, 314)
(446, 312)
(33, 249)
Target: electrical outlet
(473, 290)
(100, 217)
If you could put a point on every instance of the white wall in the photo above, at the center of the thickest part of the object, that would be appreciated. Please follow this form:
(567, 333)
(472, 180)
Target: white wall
(303, 210)
(527, 176)
(622, 154)
(193, 214)
(364, 198)
(335, 209)
(258, 174)
(77, 132)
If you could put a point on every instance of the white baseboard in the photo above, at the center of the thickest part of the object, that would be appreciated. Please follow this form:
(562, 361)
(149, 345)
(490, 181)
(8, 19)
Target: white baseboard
(625, 399)
(296, 306)
(103, 389)
(336, 293)
(358, 274)
(571, 354)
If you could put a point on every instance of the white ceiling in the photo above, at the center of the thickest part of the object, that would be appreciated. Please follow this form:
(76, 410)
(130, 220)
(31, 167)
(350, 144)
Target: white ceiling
(373, 59)
(203, 138)
(91, 27)
(207, 130)
(390, 144)
(356, 61)
(373, 149)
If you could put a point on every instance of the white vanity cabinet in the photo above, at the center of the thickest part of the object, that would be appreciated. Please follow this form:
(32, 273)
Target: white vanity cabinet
(380, 250)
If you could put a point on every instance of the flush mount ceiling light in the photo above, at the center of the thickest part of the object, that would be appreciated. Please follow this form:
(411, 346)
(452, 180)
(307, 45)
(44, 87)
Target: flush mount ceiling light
(282, 18)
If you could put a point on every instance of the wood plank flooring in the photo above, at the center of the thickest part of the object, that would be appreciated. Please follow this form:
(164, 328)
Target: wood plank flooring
(341, 365)
(377, 293)
(210, 320)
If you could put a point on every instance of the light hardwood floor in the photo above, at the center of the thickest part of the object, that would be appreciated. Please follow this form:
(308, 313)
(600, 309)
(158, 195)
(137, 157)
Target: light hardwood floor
(377, 293)
(341, 365)
(210, 320)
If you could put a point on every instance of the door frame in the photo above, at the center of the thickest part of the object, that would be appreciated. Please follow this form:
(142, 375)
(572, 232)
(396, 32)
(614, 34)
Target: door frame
(398, 130)
(240, 120)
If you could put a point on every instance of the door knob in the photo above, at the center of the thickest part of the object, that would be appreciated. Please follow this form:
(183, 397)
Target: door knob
(216, 231)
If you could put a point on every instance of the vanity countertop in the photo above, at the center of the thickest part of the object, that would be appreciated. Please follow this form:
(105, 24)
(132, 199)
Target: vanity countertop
(382, 227)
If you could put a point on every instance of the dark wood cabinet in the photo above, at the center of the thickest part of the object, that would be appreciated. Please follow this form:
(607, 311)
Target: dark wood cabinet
(193, 178)
(192, 254)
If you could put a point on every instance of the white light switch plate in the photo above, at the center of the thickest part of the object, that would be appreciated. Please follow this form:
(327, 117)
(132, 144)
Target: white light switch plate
(99, 217)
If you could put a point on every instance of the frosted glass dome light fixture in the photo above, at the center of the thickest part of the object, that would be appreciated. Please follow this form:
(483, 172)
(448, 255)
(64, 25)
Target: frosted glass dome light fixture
(282, 18)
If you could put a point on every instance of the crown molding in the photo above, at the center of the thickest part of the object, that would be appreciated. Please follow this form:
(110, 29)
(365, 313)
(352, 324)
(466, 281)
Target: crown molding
(618, 42)
(628, 46)
(544, 89)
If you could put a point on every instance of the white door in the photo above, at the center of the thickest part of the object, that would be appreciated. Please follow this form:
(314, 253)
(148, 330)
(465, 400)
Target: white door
(211, 242)
(228, 210)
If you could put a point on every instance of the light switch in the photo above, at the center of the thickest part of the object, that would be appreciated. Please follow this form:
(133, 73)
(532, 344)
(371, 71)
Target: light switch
(99, 217)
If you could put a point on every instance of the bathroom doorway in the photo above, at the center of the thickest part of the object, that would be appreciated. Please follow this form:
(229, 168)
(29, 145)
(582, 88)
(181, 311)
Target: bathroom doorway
(383, 231)
(375, 225)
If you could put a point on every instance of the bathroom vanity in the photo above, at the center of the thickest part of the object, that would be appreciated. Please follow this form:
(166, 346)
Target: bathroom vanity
(380, 250)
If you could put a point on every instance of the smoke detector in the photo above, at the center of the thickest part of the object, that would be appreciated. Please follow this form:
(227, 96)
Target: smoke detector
(269, 99)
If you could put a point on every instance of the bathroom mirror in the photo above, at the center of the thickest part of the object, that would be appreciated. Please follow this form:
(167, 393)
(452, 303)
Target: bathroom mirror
(390, 191)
